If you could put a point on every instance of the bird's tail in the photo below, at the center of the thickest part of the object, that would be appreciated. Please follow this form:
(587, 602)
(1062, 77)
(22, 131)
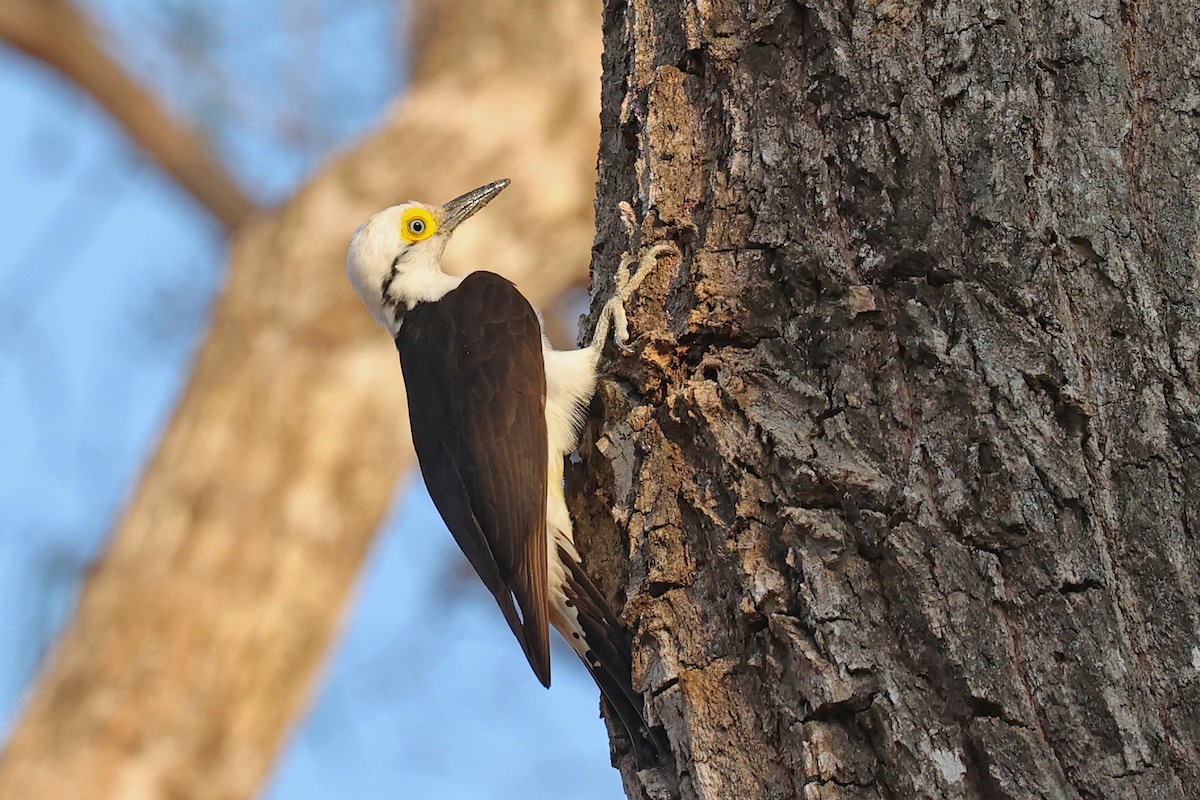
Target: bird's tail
(601, 641)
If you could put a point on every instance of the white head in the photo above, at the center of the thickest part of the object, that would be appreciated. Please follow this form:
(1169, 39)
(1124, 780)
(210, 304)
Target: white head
(395, 257)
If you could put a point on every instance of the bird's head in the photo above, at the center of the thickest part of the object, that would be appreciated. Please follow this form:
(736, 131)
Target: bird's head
(395, 256)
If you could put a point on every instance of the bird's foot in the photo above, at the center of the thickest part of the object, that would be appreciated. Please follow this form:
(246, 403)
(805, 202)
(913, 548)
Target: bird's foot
(627, 283)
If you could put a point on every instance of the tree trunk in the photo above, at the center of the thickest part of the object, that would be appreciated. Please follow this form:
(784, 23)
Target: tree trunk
(908, 452)
(196, 641)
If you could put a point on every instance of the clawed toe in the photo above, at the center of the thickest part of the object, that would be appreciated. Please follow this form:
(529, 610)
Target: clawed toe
(626, 284)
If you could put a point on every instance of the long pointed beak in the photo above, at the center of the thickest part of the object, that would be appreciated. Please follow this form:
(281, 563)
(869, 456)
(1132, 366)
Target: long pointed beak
(453, 213)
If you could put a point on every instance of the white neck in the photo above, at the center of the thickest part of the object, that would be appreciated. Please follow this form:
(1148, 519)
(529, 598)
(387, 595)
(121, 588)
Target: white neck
(422, 286)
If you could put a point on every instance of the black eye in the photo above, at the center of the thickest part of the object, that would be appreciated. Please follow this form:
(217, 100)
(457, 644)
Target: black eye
(416, 226)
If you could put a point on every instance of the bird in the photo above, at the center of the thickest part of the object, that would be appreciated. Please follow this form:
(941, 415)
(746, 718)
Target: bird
(494, 409)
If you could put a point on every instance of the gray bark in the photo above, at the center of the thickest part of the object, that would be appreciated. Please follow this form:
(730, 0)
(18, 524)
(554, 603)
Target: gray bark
(905, 460)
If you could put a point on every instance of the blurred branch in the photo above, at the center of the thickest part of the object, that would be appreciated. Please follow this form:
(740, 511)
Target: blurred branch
(58, 34)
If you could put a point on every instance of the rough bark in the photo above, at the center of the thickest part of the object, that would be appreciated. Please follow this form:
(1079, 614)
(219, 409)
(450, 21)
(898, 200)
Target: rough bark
(907, 455)
(197, 638)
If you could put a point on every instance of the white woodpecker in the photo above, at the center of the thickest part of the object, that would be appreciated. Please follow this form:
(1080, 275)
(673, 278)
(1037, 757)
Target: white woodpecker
(494, 410)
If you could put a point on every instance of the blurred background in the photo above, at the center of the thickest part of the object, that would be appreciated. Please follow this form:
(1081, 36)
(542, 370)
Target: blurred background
(109, 271)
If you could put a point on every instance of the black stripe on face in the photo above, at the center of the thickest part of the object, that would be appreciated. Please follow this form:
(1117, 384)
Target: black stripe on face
(387, 300)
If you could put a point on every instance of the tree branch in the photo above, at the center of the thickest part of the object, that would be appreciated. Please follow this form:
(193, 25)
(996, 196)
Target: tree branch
(59, 35)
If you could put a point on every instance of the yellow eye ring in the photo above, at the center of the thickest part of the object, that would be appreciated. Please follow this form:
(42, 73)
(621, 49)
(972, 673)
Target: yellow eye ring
(417, 224)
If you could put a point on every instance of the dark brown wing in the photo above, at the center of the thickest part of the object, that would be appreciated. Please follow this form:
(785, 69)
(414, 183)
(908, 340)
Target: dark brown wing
(476, 387)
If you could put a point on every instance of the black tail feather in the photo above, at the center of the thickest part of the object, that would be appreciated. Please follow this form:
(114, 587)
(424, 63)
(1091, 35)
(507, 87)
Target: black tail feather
(610, 662)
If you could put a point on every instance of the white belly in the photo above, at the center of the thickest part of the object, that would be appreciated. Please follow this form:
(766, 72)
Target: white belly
(570, 383)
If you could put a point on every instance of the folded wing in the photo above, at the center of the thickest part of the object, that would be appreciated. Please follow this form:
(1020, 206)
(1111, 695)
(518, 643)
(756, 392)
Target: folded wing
(476, 386)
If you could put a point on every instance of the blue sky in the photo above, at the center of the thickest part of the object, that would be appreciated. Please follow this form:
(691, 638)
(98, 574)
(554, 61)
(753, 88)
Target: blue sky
(107, 276)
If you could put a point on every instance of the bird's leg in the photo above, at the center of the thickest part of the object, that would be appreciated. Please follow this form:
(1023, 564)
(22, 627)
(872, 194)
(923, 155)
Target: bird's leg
(614, 307)
(613, 313)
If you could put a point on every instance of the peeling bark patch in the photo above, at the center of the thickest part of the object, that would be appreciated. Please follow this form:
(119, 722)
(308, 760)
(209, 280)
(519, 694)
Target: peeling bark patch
(950, 765)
